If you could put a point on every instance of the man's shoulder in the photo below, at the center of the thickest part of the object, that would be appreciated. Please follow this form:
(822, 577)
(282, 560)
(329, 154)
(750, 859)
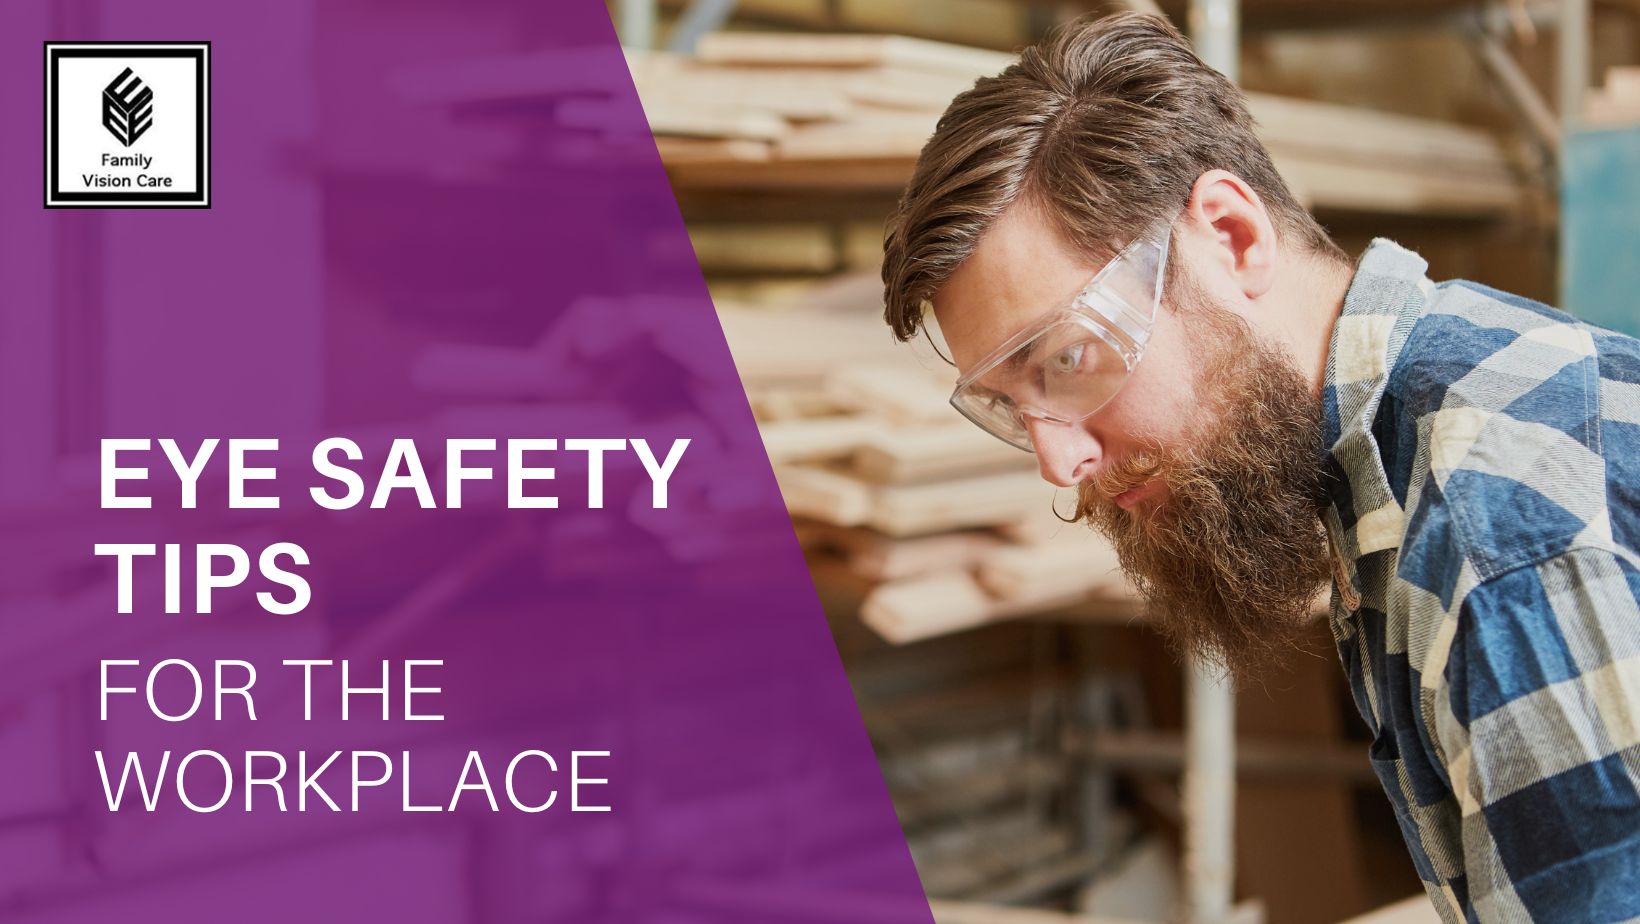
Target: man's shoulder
(1463, 324)
(1484, 348)
(1522, 416)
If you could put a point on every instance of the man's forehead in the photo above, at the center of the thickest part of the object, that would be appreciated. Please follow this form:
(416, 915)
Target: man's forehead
(1021, 269)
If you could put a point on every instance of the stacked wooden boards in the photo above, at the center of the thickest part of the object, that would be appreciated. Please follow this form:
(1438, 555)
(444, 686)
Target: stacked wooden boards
(851, 112)
(986, 23)
(940, 525)
(830, 113)
(1618, 101)
(855, 109)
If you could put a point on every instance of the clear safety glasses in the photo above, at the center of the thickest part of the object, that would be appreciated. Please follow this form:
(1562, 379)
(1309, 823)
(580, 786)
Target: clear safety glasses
(1066, 365)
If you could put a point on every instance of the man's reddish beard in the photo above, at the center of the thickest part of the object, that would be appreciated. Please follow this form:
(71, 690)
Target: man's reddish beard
(1231, 559)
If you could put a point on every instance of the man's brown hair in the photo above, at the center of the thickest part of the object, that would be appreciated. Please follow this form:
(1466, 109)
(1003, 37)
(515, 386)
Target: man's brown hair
(1107, 124)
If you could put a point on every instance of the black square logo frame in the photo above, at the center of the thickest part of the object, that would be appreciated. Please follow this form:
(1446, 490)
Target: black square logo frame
(128, 124)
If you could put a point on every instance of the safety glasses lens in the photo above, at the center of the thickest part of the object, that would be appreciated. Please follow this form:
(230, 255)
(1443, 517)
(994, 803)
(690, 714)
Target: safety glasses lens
(1066, 372)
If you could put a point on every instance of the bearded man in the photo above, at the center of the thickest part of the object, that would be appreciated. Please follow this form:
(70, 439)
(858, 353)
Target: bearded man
(1129, 290)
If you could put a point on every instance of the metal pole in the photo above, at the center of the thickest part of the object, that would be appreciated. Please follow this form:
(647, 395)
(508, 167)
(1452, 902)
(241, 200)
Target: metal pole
(1209, 795)
(1215, 29)
(1573, 55)
(701, 17)
(635, 21)
(1210, 718)
(1519, 90)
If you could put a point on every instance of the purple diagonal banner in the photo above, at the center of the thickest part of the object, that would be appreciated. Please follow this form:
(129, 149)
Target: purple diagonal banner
(391, 540)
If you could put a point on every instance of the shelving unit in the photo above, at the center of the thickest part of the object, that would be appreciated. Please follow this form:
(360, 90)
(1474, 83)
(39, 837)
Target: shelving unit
(1465, 190)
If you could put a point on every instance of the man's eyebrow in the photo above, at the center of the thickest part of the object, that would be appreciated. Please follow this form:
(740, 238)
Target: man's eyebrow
(1020, 357)
(1032, 349)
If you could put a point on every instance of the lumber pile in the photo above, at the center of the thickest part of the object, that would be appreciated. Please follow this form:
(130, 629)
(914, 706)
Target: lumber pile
(987, 23)
(780, 111)
(828, 113)
(855, 109)
(1618, 101)
(973, 734)
(943, 526)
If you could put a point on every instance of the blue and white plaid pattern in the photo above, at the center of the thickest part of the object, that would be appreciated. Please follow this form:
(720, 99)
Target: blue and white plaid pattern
(1484, 487)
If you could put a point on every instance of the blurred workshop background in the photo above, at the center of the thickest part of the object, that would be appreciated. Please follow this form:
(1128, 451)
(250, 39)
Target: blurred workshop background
(1049, 760)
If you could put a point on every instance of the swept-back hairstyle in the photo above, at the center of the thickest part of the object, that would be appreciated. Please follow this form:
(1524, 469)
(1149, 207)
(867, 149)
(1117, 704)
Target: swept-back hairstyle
(1106, 124)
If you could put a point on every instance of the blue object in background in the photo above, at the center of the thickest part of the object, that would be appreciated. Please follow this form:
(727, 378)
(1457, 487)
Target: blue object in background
(1600, 228)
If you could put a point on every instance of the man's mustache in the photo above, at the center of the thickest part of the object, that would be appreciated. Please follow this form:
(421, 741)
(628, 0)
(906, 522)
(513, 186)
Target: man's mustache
(1110, 482)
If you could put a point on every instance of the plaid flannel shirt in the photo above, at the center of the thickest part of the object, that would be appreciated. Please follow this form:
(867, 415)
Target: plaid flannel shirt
(1483, 463)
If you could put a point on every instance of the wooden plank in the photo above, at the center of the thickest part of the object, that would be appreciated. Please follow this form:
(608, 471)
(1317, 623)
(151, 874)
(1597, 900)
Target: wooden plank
(911, 510)
(858, 175)
(1079, 564)
(1602, 108)
(876, 558)
(903, 88)
(983, 23)
(781, 404)
(878, 134)
(789, 348)
(1041, 527)
(1372, 134)
(912, 455)
(765, 248)
(938, 604)
(1389, 190)
(897, 391)
(919, 608)
(770, 292)
(841, 499)
(987, 23)
(1623, 85)
(824, 495)
(1363, 15)
(799, 94)
(1494, 173)
(677, 151)
(746, 87)
(1335, 157)
(885, 559)
(788, 50)
(676, 117)
(817, 439)
(1318, 183)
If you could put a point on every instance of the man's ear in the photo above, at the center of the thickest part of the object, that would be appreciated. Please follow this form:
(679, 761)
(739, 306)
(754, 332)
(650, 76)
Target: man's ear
(1225, 209)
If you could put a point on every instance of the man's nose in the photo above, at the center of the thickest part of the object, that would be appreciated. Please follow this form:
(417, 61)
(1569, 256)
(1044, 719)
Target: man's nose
(1067, 453)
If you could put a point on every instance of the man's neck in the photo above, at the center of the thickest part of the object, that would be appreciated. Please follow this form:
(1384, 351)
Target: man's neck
(1313, 300)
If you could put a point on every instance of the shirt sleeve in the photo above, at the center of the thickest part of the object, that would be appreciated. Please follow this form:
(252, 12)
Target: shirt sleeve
(1537, 721)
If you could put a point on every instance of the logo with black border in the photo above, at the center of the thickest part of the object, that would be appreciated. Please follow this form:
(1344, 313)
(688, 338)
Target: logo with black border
(128, 125)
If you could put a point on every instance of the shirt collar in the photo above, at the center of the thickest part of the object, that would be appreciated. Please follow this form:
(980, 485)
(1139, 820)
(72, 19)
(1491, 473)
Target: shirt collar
(1385, 299)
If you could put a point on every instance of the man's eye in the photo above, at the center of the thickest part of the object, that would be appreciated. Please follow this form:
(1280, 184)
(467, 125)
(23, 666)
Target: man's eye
(1067, 360)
